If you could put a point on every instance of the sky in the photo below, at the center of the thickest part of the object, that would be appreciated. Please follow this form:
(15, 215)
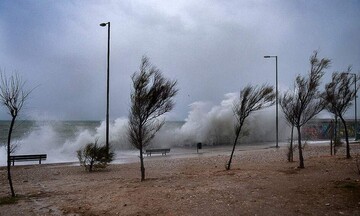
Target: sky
(211, 47)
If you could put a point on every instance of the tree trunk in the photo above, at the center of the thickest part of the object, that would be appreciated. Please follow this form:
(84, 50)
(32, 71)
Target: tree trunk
(91, 165)
(335, 135)
(232, 152)
(142, 167)
(301, 158)
(331, 137)
(291, 151)
(346, 138)
(8, 156)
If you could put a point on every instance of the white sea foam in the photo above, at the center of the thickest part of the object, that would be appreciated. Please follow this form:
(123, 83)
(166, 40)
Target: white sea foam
(214, 125)
(206, 123)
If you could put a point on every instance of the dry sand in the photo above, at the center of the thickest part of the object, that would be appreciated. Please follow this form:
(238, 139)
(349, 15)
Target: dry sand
(260, 182)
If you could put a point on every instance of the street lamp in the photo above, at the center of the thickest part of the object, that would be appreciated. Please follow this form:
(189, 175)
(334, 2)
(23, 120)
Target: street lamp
(107, 88)
(277, 101)
(356, 126)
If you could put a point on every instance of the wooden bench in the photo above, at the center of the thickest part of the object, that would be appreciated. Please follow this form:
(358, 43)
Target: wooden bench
(38, 157)
(157, 151)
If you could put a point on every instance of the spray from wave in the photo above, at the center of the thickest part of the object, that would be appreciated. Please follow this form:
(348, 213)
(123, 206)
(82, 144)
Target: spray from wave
(206, 123)
(61, 139)
(214, 125)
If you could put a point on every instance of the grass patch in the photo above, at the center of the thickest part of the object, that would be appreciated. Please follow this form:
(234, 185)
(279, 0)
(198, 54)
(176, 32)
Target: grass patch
(290, 171)
(8, 200)
(347, 185)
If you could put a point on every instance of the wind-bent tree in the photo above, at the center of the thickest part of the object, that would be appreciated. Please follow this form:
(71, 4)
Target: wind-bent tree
(305, 102)
(288, 108)
(251, 99)
(338, 95)
(151, 97)
(12, 97)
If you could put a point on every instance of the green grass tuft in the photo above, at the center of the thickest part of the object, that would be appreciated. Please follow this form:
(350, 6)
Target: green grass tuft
(8, 200)
(347, 185)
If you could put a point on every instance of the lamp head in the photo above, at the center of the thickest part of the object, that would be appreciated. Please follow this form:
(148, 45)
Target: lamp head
(102, 24)
(267, 56)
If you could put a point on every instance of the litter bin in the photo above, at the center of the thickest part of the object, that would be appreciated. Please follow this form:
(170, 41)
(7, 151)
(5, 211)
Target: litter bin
(199, 146)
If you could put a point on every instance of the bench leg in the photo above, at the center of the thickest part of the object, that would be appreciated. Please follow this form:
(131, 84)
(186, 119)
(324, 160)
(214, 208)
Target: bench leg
(40, 161)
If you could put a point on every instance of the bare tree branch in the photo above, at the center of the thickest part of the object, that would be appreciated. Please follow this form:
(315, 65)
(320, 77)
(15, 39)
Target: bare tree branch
(12, 97)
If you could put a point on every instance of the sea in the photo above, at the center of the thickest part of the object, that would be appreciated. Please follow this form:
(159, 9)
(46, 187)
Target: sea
(61, 139)
(206, 123)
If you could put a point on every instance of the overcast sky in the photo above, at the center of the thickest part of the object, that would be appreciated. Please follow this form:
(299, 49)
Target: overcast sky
(210, 47)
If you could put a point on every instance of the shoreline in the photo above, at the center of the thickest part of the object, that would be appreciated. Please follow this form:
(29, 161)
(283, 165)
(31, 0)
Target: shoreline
(131, 156)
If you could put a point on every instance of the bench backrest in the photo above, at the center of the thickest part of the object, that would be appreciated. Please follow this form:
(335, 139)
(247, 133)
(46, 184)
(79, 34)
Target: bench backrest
(158, 150)
(28, 157)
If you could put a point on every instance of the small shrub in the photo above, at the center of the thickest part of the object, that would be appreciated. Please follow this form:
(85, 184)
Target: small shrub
(305, 145)
(94, 156)
(337, 144)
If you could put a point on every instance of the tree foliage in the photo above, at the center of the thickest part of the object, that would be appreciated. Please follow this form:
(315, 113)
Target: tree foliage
(12, 96)
(93, 156)
(339, 93)
(151, 97)
(251, 99)
(302, 104)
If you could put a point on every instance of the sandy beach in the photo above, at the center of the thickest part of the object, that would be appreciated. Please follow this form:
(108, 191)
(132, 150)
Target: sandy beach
(260, 182)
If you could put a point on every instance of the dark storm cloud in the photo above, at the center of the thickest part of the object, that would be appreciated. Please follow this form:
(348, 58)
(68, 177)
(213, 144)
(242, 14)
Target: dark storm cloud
(210, 47)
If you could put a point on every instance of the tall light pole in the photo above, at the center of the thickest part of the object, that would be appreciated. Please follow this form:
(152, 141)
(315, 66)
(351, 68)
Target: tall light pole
(277, 100)
(356, 126)
(107, 87)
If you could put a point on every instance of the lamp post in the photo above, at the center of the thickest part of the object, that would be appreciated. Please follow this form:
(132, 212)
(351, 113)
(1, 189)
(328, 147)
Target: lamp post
(107, 87)
(277, 100)
(356, 126)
